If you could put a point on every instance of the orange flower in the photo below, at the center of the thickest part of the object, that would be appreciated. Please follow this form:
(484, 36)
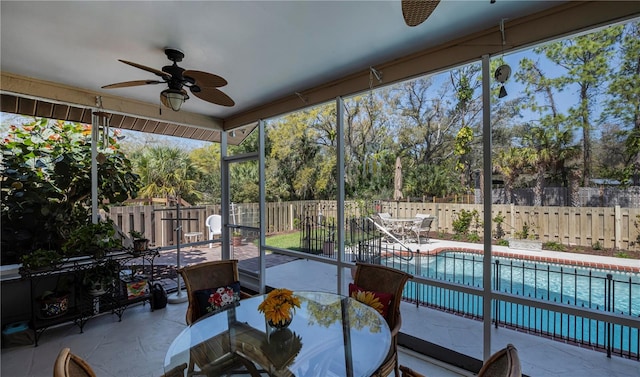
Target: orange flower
(55, 137)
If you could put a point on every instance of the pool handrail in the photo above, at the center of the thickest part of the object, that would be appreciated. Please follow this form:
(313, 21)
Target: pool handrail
(389, 234)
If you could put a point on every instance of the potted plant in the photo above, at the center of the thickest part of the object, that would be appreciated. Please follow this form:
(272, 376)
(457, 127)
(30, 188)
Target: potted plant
(140, 242)
(41, 259)
(55, 303)
(92, 239)
(236, 238)
(99, 277)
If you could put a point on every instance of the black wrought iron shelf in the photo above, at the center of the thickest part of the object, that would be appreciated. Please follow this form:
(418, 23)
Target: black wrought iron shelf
(81, 306)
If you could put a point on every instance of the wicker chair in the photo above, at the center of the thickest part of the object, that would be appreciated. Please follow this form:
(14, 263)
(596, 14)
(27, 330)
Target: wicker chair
(69, 365)
(504, 363)
(373, 277)
(408, 372)
(204, 276)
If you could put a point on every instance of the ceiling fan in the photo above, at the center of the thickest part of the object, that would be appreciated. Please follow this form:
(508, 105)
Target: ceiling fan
(416, 12)
(202, 84)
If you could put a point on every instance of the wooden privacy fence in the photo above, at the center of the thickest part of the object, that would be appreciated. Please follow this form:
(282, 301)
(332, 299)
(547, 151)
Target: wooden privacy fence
(610, 227)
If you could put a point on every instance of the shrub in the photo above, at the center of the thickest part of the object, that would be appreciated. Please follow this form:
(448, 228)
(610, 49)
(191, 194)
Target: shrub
(46, 190)
(463, 221)
(527, 232)
(499, 219)
(502, 242)
(473, 237)
(554, 246)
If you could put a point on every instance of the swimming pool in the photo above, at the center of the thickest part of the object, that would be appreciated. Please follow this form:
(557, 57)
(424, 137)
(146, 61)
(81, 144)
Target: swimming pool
(571, 285)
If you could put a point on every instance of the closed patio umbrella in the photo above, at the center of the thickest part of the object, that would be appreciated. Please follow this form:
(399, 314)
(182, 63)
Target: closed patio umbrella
(397, 181)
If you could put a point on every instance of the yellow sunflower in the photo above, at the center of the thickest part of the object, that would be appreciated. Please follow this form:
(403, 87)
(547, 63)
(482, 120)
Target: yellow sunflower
(278, 305)
(368, 298)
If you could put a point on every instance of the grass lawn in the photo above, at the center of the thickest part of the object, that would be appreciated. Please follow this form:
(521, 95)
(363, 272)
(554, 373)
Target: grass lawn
(285, 240)
(291, 240)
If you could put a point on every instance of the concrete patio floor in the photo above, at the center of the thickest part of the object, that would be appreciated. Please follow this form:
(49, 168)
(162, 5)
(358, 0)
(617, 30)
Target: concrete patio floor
(136, 346)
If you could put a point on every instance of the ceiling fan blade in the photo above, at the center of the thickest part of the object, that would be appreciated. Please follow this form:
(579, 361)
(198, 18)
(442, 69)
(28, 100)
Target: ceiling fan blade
(205, 79)
(126, 84)
(213, 95)
(157, 72)
(416, 12)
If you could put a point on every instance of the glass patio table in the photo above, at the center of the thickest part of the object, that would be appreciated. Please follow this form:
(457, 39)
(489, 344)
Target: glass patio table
(330, 335)
(401, 225)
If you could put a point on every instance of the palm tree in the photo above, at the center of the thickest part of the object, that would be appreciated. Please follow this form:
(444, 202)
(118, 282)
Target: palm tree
(166, 172)
(549, 150)
(510, 163)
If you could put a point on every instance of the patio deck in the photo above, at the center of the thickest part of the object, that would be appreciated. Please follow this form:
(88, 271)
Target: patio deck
(136, 346)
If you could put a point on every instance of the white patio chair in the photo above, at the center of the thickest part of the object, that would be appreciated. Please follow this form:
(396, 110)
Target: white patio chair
(384, 221)
(214, 225)
(384, 215)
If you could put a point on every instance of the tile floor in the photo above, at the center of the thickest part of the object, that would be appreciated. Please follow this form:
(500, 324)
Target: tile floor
(134, 347)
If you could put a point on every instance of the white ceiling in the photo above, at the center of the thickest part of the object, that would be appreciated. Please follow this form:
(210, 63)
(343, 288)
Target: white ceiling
(265, 49)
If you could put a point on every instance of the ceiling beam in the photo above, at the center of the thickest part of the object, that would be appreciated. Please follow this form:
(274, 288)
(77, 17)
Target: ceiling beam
(59, 93)
(563, 20)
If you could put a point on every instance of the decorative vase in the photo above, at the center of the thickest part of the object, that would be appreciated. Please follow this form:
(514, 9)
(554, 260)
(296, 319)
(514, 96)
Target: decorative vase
(96, 288)
(281, 325)
(54, 305)
(140, 245)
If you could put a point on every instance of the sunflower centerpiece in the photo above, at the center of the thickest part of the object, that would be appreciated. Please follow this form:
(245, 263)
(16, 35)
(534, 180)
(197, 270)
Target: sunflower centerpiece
(279, 306)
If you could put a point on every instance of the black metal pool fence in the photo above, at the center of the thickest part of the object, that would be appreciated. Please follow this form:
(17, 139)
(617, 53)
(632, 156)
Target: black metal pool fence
(610, 292)
(570, 287)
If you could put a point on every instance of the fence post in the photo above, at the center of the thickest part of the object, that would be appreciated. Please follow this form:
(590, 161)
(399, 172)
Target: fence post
(607, 301)
(618, 228)
(496, 284)
(512, 220)
(418, 273)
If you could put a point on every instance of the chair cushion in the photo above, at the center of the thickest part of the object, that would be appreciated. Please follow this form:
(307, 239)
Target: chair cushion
(214, 299)
(380, 301)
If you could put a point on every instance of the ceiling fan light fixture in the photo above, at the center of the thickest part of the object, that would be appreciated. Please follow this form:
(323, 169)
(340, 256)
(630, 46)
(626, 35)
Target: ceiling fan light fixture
(174, 98)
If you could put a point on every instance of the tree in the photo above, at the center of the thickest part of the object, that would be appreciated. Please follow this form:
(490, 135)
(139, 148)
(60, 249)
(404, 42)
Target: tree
(545, 150)
(369, 153)
(510, 163)
(294, 157)
(167, 172)
(555, 148)
(46, 183)
(207, 162)
(586, 62)
(624, 102)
